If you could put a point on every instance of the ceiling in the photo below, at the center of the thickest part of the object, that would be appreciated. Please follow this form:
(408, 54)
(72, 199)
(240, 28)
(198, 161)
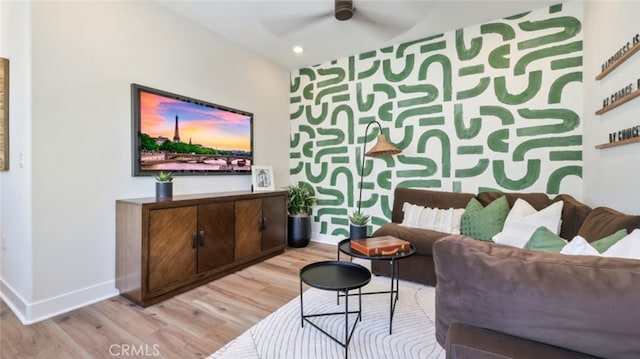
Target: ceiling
(272, 27)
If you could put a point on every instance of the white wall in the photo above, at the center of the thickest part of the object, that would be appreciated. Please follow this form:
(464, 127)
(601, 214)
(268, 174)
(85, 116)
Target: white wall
(16, 284)
(84, 58)
(611, 175)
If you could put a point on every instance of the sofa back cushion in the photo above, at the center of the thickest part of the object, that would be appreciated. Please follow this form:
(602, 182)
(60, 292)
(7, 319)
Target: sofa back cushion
(583, 303)
(603, 221)
(537, 200)
(427, 198)
(574, 213)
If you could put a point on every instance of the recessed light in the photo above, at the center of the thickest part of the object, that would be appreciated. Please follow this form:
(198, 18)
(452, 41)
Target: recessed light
(298, 49)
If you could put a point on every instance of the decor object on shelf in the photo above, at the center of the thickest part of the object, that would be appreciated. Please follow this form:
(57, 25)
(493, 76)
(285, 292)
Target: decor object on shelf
(300, 199)
(164, 185)
(382, 148)
(4, 114)
(358, 225)
(262, 178)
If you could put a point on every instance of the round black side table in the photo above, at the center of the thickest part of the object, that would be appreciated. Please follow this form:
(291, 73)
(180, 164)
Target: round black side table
(339, 277)
(394, 260)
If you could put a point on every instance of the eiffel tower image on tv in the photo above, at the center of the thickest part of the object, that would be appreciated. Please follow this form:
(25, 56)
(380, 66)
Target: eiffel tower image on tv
(176, 132)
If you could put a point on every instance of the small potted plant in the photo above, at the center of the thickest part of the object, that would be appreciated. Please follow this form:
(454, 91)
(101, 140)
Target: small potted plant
(300, 199)
(358, 225)
(164, 185)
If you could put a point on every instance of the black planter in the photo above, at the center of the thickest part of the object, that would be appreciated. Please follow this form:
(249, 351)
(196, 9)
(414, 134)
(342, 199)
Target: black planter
(357, 232)
(164, 190)
(299, 231)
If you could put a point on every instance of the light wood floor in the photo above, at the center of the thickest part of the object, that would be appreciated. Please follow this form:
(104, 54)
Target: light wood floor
(191, 325)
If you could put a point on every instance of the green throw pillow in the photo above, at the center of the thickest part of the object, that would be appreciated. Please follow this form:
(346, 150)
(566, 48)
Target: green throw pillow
(602, 244)
(484, 222)
(543, 239)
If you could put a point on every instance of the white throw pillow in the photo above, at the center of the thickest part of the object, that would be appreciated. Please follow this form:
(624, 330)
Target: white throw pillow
(627, 247)
(456, 220)
(579, 246)
(436, 219)
(523, 220)
(411, 214)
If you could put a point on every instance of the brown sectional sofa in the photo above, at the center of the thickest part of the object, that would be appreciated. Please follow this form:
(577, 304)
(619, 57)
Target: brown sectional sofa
(420, 268)
(495, 301)
(491, 297)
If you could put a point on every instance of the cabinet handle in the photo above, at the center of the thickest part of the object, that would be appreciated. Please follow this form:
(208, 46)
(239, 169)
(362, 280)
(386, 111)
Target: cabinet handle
(263, 224)
(201, 239)
(194, 240)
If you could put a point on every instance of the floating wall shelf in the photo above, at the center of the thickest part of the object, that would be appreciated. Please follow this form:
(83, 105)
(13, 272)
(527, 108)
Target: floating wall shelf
(624, 100)
(619, 62)
(618, 143)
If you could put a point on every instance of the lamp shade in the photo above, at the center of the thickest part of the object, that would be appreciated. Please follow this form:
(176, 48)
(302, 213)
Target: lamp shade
(382, 148)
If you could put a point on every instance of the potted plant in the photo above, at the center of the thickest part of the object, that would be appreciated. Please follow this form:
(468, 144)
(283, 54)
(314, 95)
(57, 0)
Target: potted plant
(358, 225)
(300, 199)
(164, 185)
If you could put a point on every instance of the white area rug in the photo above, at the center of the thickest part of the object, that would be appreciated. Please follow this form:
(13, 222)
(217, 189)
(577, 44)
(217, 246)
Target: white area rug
(280, 335)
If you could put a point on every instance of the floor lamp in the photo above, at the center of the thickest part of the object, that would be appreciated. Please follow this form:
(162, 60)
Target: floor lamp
(382, 148)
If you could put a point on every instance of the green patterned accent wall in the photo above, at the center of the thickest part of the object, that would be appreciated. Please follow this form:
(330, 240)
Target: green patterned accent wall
(496, 106)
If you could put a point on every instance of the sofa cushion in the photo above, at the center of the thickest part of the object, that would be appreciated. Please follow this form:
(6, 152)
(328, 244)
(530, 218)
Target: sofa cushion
(481, 222)
(627, 247)
(426, 198)
(545, 240)
(579, 246)
(523, 220)
(467, 342)
(582, 303)
(602, 244)
(537, 200)
(603, 221)
(573, 214)
(437, 219)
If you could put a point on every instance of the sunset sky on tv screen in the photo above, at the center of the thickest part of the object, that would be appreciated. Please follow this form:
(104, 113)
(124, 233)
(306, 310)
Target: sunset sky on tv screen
(203, 125)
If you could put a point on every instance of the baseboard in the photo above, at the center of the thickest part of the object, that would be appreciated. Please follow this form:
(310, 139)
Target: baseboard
(14, 301)
(327, 239)
(29, 313)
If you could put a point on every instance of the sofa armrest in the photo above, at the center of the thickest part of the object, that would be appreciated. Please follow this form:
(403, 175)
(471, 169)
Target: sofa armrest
(586, 304)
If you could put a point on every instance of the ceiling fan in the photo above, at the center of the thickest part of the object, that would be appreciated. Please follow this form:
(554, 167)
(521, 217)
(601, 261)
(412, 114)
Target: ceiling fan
(368, 14)
(344, 10)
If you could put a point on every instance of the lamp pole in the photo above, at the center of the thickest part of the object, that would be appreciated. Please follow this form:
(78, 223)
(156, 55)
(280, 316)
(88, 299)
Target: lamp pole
(364, 151)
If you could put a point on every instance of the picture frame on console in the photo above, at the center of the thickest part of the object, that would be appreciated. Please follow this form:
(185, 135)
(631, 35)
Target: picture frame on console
(262, 178)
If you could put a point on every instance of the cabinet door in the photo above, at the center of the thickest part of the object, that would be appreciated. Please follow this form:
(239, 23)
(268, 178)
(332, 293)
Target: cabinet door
(248, 222)
(274, 212)
(215, 235)
(172, 254)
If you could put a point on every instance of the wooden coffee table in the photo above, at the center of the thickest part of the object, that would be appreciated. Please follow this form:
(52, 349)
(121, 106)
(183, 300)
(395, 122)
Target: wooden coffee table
(394, 260)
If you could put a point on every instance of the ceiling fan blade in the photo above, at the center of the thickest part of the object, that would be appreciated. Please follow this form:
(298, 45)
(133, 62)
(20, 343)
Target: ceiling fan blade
(284, 27)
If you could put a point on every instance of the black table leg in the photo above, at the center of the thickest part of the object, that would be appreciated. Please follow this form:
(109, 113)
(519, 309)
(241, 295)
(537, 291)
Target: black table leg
(346, 323)
(301, 305)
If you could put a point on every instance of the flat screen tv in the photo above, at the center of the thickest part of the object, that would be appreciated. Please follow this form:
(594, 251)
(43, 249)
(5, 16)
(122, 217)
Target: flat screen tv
(186, 136)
